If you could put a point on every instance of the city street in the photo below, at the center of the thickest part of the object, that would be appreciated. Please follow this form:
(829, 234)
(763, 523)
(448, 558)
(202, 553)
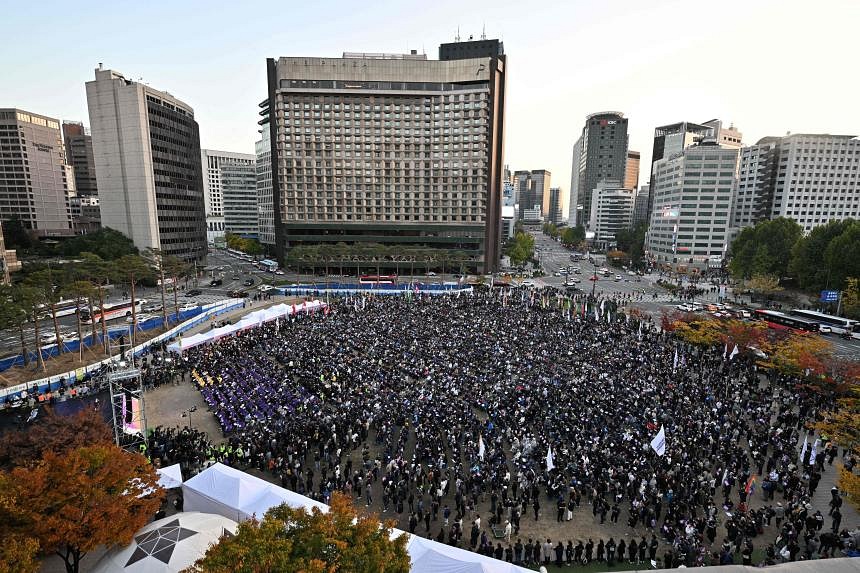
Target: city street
(553, 257)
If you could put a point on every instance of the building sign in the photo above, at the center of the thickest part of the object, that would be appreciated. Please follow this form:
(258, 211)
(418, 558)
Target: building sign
(829, 295)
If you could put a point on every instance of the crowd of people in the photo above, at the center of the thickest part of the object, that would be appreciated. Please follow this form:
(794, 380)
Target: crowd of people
(467, 418)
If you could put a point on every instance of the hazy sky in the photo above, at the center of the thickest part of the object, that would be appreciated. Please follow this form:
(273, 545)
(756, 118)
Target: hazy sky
(768, 66)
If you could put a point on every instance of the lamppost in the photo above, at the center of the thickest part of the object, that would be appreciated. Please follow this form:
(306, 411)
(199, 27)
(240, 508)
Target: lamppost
(187, 414)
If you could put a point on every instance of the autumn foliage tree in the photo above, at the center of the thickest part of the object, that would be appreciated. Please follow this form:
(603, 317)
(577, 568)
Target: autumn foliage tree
(842, 426)
(290, 539)
(74, 502)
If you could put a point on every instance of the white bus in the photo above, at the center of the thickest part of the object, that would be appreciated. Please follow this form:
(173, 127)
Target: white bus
(112, 311)
(837, 324)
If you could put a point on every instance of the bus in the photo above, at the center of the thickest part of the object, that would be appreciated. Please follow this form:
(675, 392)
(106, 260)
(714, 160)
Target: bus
(235, 253)
(837, 324)
(112, 311)
(378, 279)
(62, 308)
(782, 321)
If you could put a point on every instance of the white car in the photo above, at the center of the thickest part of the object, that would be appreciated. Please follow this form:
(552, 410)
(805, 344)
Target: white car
(141, 317)
(684, 308)
(279, 272)
(265, 288)
(188, 306)
(825, 329)
(431, 274)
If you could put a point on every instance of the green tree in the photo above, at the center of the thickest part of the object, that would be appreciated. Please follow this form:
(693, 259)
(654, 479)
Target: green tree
(100, 273)
(15, 235)
(765, 249)
(294, 540)
(131, 269)
(573, 235)
(843, 256)
(49, 283)
(810, 261)
(82, 291)
(766, 285)
(107, 243)
(14, 314)
(632, 242)
(851, 297)
(176, 269)
(521, 249)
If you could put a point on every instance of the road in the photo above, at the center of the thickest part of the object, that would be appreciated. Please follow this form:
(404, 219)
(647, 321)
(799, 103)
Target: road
(10, 340)
(553, 257)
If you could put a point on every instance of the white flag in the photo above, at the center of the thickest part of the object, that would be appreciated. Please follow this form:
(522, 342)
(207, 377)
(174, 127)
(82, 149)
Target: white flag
(596, 316)
(726, 350)
(675, 362)
(659, 442)
(814, 452)
(481, 447)
(549, 464)
(803, 452)
(734, 352)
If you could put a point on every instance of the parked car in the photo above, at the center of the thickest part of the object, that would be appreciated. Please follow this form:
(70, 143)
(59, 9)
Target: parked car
(142, 317)
(431, 274)
(238, 294)
(216, 282)
(265, 288)
(152, 308)
(188, 306)
(248, 282)
(193, 292)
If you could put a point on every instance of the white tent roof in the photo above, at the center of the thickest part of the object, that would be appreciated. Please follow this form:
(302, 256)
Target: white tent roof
(431, 556)
(170, 477)
(250, 320)
(168, 545)
(229, 492)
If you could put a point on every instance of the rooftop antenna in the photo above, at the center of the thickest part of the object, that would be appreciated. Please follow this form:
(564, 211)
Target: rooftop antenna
(457, 37)
(484, 31)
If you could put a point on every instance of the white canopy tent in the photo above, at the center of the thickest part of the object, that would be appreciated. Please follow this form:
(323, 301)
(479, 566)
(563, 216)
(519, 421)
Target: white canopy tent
(229, 492)
(167, 545)
(169, 477)
(250, 320)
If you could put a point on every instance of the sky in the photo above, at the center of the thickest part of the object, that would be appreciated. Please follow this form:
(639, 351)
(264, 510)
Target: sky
(767, 66)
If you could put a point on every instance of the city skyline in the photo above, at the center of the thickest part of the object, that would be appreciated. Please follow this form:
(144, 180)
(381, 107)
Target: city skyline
(556, 77)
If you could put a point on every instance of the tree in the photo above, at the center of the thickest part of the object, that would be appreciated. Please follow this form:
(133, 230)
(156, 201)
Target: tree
(18, 554)
(107, 243)
(765, 249)
(49, 283)
(744, 335)
(155, 259)
(15, 235)
(809, 260)
(290, 539)
(632, 242)
(573, 235)
(131, 269)
(13, 314)
(800, 355)
(704, 332)
(851, 297)
(176, 269)
(52, 432)
(81, 290)
(100, 273)
(75, 502)
(521, 249)
(842, 256)
(766, 285)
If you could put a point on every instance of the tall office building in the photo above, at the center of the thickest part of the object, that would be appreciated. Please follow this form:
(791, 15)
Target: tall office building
(811, 178)
(602, 156)
(553, 205)
(532, 190)
(611, 212)
(79, 154)
(669, 140)
(9, 262)
(265, 206)
(691, 194)
(36, 183)
(631, 170)
(640, 206)
(393, 149)
(230, 193)
(574, 207)
(146, 145)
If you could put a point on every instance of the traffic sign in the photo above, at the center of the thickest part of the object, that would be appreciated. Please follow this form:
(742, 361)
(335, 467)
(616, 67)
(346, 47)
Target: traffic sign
(829, 296)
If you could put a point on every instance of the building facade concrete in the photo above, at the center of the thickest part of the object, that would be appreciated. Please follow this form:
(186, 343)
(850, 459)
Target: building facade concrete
(36, 182)
(640, 206)
(553, 206)
(811, 178)
(9, 262)
(670, 140)
(574, 206)
(532, 189)
(230, 193)
(265, 204)
(611, 211)
(146, 145)
(631, 170)
(602, 156)
(79, 154)
(692, 195)
(392, 149)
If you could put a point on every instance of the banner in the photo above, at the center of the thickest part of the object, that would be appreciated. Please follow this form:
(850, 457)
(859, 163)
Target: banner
(659, 442)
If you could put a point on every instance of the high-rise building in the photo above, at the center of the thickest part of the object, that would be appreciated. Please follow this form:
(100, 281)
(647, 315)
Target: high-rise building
(532, 190)
(79, 154)
(146, 145)
(393, 149)
(811, 178)
(574, 207)
(230, 193)
(9, 262)
(611, 211)
(640, 206)
(602, 156)
(265, 208)
(36, 183)
(631, 170)
(691, 194)
(669, 140)
(553, 205)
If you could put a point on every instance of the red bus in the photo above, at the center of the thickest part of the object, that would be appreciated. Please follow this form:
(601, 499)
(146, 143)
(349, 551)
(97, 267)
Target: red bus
(378, 279)
(781, 321)
(111, 311)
